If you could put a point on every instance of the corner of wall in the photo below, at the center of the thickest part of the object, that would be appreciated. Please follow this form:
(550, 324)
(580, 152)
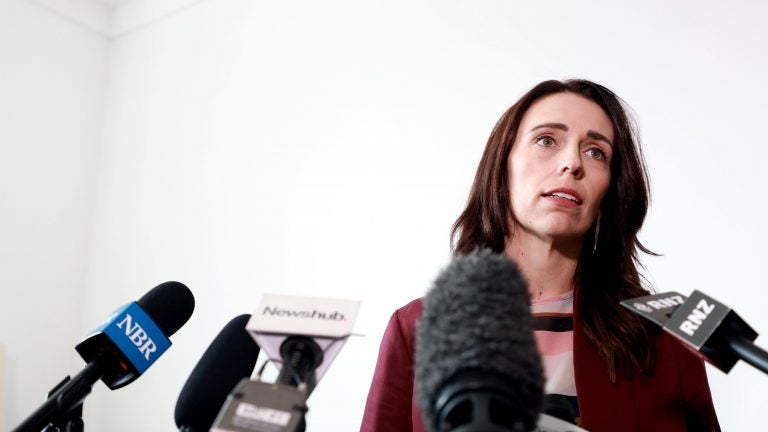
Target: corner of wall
(91, 15)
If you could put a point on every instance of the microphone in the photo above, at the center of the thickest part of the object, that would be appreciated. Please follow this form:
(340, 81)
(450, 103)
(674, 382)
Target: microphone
(227, 360)
(303, 335)
(707, 327)
(477, 364)
(117, 352)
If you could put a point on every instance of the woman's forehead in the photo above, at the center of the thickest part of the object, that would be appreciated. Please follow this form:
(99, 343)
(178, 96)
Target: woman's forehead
(573, 111)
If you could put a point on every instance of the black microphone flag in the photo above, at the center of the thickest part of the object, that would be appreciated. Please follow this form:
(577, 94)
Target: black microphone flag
(706, 326)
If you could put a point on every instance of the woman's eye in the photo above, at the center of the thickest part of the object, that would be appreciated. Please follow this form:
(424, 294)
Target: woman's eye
(596, 153)
(545, 141)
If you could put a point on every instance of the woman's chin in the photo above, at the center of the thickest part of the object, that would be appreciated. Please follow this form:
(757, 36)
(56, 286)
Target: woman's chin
(563, 232)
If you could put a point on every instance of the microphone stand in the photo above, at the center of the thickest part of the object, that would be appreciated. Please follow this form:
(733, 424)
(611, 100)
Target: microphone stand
(63, 409)
(70, 422)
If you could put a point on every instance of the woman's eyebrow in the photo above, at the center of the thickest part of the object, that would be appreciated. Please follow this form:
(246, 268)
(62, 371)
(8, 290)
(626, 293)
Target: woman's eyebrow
(560, 126)
(600, 137)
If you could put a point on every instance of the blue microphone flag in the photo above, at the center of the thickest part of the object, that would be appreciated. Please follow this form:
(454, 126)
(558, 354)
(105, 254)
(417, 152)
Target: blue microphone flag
(137, 337)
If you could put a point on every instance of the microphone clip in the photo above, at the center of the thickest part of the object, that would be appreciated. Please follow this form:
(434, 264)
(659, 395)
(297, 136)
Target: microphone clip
(280, 408)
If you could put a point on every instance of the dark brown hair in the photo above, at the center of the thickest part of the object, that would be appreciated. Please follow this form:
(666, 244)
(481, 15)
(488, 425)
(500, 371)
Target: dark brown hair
(610, 273)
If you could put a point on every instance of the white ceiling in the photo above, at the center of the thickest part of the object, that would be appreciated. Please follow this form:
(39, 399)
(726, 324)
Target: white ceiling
(109, 18)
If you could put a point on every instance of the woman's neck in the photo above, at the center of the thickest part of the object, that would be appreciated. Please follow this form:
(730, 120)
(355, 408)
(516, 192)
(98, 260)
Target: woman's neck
(548, 265)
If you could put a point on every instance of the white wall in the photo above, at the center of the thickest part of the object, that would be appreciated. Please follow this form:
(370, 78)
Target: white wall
(52, 83)
(325, 148)
(239, 166)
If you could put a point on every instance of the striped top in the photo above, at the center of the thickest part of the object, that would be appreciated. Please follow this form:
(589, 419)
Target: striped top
(553, 328)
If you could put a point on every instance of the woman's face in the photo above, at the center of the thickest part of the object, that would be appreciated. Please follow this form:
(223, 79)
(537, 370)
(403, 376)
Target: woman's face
(560, 166)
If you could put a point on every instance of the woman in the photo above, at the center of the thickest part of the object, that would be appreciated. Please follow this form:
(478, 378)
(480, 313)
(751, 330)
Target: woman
(562, 189)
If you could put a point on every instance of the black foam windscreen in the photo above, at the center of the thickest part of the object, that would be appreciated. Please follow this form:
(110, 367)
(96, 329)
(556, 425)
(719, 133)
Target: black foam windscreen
(169, 305)
(229, 358)
(477, 318)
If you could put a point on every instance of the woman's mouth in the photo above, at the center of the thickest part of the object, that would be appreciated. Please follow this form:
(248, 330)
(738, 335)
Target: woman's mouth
(564, 196)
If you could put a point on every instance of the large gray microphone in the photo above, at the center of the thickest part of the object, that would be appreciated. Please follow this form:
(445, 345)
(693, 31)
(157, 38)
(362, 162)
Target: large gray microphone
(477, 365)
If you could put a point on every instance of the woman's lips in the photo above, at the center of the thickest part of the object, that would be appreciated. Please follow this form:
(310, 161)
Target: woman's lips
(564, 197)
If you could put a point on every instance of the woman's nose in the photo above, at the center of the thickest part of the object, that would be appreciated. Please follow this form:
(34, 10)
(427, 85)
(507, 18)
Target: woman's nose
(570, 162)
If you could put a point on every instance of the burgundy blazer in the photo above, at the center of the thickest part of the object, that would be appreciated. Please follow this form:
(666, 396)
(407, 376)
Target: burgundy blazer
(676, 398)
